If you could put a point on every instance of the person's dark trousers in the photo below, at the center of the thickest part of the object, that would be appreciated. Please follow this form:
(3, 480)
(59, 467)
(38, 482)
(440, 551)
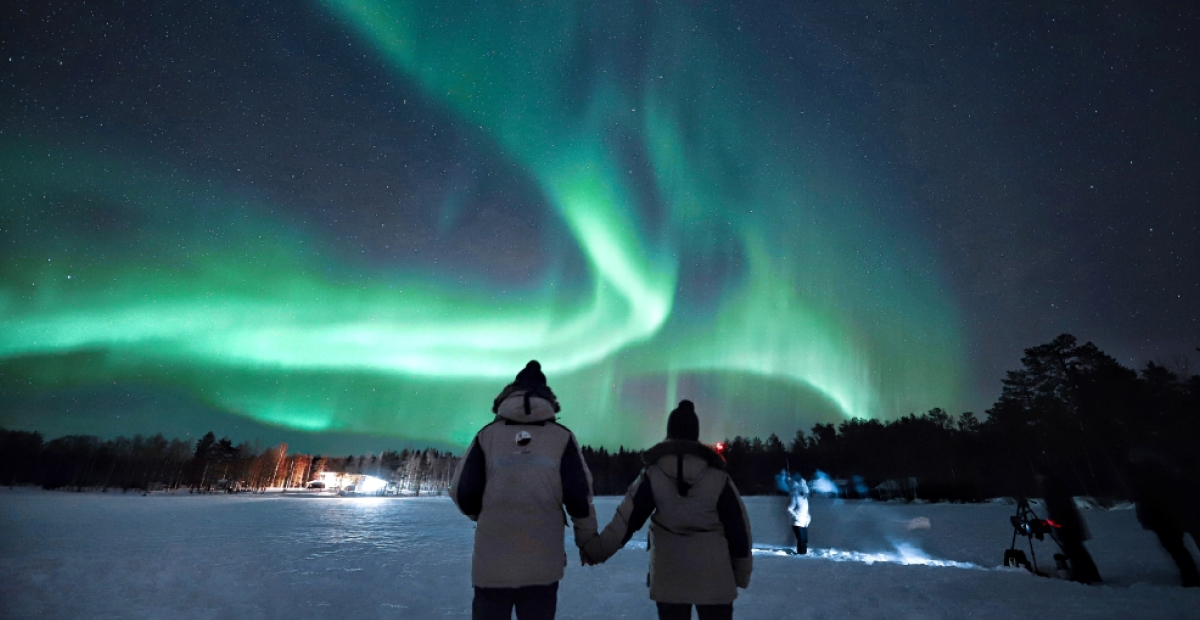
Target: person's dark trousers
(1172, 541)
(1082, 566)
(683, 611)
(531, 603)
(801, 539)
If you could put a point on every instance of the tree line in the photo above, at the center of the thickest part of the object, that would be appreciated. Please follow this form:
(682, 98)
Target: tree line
(1070, 409)
(82, 462)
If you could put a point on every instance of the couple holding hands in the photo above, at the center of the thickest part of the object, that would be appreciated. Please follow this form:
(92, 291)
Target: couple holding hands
(524, 470)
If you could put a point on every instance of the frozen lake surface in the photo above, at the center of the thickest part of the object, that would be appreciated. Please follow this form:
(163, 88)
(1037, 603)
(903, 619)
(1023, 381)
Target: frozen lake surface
(93, 555)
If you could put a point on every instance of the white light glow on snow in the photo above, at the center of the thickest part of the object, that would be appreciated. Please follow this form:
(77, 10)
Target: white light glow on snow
(905, 554)
(371, 484)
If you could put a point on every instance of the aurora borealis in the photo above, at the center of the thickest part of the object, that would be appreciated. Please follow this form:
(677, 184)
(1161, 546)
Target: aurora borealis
(362, 218)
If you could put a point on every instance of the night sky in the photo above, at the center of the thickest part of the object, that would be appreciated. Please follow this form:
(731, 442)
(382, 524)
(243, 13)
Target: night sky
(347, 224)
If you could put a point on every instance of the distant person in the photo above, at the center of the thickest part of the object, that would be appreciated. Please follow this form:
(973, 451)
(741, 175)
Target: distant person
(518, 474)
(699, 533)
(798, 508)
(1166, 507)
(1069, 527)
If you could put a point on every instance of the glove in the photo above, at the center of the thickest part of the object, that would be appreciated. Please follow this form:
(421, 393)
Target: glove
(741, 571)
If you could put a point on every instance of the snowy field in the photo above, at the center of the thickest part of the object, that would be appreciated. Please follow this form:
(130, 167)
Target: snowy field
(93, 555)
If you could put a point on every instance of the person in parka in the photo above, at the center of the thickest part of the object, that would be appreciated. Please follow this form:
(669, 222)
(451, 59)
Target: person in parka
(699, 534)
(1069, 527)
(798, 508)
(1162, 497)
(519, 473)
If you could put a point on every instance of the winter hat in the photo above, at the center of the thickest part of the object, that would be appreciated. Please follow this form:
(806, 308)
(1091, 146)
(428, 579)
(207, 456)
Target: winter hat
(683, 423)
(532, 382)
(531, 376)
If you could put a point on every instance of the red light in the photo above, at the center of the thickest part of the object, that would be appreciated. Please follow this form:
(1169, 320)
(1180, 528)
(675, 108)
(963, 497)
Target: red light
(720, 447)
(1051, 523)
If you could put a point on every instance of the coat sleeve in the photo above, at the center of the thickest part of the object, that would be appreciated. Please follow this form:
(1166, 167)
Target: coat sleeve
(631, 515)
(732, 513)
(470, 480)
(577, 492)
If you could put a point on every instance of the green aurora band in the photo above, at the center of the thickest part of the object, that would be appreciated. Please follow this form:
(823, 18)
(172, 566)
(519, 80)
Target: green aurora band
(832, 313)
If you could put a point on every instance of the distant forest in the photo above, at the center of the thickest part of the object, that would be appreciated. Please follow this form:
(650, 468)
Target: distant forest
(1070, 409)
(79, 462)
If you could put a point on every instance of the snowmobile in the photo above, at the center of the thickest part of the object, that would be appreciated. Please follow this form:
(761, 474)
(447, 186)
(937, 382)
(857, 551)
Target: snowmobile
(1027, 524)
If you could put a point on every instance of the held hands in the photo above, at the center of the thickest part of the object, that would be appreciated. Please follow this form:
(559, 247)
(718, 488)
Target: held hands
(585, 559)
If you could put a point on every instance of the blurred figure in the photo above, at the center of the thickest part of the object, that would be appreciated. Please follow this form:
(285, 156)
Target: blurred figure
(824, 485)
(1069, 527)
(514, 482)
(798, 508)
(1167, 508)
(699, 532)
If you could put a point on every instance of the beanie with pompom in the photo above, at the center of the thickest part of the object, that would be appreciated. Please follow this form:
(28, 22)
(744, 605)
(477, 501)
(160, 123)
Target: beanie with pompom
(683, 423)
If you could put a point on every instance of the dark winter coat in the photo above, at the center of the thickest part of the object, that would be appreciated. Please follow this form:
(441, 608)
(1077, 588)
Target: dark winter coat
(1161, 498)
(515, 480)
(699, 532)
(1061, 509)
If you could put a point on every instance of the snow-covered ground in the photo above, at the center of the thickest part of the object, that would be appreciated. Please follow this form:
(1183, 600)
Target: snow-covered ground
(93, 555)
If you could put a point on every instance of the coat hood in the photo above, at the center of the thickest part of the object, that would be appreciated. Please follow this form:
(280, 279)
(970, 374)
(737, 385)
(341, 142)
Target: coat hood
(684, 461)
(525, 406)
(683, 446)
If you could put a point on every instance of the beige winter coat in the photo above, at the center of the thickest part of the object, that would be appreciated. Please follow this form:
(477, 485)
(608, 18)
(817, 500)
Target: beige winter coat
(700, 537)
(517, 477)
